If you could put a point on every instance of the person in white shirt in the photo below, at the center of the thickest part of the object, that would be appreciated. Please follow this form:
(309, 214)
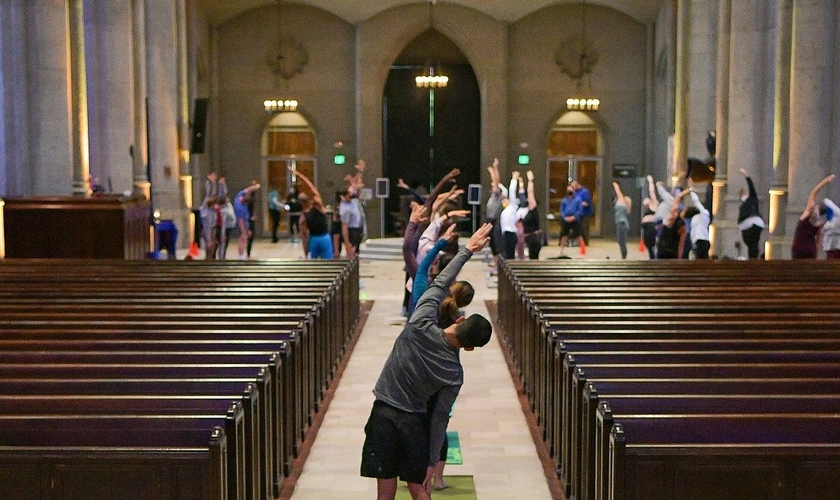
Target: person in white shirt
(699, 227)
(831, 230)
(512, 214)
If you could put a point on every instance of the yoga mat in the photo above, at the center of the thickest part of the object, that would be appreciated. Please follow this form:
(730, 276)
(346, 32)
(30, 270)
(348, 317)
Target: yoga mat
(460, 488)
(453, 454)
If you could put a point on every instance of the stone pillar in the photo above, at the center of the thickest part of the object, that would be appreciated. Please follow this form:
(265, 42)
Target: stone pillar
(79, 132)
(810, 118)
(51, 155)
(775, 245)
(15, 180)
(139, 152)
(702, 75)
(749, 130)
(111, 90)
(721, 127)
(162, 92)
(681, 88)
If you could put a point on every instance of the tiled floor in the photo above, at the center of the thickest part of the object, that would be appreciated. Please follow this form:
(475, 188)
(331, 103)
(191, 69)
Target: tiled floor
(496, 443)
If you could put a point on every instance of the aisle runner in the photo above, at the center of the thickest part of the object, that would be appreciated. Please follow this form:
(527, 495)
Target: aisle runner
(460, 488)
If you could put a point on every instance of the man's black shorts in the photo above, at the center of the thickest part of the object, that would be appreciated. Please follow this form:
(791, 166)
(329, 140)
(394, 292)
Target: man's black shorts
(396, 444)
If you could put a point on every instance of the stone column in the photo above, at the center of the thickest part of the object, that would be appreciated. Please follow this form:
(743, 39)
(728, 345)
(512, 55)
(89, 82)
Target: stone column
(724, 34)
(79, 142)
(111, 91)
(702, 75)
(51, 155)
(681, 88)
(139, 151)
(749, 132)
(15, 180)
(775, 245)
(162, 92)
(810, 119)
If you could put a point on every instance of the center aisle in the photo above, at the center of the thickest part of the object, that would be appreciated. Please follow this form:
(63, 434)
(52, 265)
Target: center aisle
(495, 440)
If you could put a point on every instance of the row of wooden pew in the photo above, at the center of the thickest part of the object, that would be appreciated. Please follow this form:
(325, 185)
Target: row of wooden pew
(680, 380)
(164, 379)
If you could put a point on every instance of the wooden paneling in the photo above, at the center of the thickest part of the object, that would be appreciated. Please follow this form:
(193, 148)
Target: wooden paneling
(66, 227)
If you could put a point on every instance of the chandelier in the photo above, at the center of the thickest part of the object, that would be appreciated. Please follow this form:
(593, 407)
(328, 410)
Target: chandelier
(285, 60)
(431, 78)
(280, 105)
(577, 58)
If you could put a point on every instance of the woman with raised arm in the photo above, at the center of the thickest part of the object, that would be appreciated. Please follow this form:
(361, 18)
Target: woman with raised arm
(671, 241)
(531, 222)
(319, 242)
(648, 219)
(749, 217)
(243, 217)
(622, 223)
(495, 205)
(808, 228)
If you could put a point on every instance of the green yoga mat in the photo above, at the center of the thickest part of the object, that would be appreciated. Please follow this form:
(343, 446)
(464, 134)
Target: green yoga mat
(453, 454)
(460, 488)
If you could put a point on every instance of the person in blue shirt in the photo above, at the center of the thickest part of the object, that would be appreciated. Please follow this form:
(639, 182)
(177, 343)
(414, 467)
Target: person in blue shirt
(570, 215)
(587, 209)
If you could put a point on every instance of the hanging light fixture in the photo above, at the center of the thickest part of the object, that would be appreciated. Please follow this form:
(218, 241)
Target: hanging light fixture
(432, 78)
(280, 105)
(577, 58)
(285, 61)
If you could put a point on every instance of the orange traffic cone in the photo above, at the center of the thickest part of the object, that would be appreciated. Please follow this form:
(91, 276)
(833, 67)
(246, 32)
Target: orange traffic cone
(582, 247)
(642, 248)
(193, 249)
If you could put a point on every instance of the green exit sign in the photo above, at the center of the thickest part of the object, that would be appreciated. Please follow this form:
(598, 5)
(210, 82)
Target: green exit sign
(524, 159)
(340, 159)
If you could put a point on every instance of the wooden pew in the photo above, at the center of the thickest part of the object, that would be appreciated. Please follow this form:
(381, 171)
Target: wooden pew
(247, 452)
(94, 458)
(576, 365)
(336, 309)
(744, 457)
(777, 401)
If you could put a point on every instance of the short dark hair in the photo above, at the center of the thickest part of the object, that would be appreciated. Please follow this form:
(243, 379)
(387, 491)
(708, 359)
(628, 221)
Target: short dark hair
(474, 331)
(691, 212)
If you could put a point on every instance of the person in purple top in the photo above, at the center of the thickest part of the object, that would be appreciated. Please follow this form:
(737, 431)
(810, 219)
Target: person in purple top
(243, 216)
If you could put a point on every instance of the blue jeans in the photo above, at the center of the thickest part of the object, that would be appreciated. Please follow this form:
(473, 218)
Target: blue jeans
(320, 247)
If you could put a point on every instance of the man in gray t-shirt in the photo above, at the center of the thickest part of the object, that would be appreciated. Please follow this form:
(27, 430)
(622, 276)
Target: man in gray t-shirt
(404, 436)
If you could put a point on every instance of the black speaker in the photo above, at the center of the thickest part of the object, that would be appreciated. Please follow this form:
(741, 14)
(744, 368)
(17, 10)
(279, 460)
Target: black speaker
(199, 125)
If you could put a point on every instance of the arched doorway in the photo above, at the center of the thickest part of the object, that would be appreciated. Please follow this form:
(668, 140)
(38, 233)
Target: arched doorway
(288, 142)
(429, 131)
(575, 151)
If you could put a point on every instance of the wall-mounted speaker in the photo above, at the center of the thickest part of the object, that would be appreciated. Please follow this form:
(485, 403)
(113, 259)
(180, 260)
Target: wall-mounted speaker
(199, 125)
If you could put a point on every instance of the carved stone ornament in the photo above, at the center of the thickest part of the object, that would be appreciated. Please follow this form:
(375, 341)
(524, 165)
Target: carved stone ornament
(575, 58)
(288, 59)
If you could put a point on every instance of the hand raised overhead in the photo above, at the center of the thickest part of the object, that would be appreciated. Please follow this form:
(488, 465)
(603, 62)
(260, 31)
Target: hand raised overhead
(480, 238)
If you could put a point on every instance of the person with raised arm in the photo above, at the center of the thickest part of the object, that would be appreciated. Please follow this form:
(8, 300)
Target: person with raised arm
(531, 222)
(671, 241)
(699, 218)
(243, 217)
(805, 237)
(403, 435)
(648, 219)
(495, 205)
(622, 223)
(315, 222)
(749, 217)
